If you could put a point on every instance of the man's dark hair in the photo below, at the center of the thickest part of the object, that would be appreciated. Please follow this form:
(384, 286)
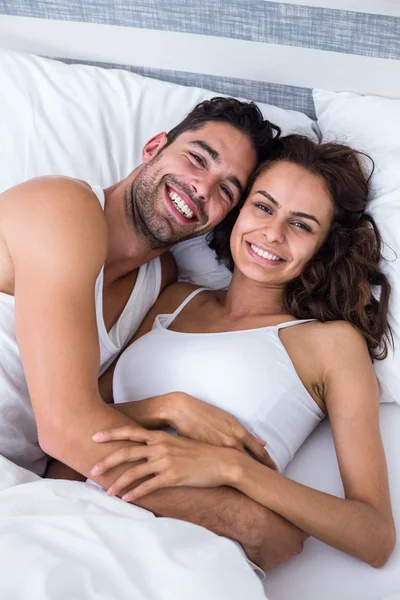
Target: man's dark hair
(245, 116)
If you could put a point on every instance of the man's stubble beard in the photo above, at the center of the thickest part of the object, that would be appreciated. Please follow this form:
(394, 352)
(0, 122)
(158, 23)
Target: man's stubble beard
(140, 208)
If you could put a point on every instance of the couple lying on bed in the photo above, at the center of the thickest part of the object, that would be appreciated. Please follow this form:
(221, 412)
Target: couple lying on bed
(261, 364)
(72, 257)
(80, 267)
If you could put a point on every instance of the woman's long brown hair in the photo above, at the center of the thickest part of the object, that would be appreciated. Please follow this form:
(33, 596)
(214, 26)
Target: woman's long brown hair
(336, 283)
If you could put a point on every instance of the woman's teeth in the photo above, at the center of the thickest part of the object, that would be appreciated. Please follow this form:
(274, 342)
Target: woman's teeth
(180, 205)
(263, 253)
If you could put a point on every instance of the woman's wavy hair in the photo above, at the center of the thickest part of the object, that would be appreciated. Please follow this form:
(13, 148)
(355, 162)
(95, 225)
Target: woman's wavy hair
(336, 283)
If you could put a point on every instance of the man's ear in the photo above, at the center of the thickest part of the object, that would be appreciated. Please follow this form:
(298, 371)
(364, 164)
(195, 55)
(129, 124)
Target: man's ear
(153, 146)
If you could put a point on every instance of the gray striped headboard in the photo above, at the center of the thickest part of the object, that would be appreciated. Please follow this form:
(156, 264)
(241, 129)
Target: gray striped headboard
(269, 51)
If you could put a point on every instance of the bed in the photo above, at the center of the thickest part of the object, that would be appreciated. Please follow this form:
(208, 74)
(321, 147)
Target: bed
(121, 70)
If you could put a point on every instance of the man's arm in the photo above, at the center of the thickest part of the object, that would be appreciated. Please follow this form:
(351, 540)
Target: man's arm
(56, 236)
(267, 538)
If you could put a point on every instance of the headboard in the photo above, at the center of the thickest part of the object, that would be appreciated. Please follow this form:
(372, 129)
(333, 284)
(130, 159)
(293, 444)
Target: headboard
(269, 51)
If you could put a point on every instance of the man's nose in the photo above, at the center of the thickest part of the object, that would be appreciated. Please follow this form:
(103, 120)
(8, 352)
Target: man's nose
(204, 187)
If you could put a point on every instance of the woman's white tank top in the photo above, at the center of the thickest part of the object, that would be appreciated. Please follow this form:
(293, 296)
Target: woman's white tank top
(246, 373)
(18, 432)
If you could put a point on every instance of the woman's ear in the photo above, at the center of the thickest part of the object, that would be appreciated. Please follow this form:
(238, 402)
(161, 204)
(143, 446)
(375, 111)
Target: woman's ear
(153, 146)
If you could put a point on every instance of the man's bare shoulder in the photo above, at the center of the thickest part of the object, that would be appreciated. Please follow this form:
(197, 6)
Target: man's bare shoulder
(57, 217)
(41, 189)
(51, 199)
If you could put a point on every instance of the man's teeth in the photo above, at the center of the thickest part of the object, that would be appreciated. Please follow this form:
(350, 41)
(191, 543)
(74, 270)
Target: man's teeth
(181, 206)
(263, 253)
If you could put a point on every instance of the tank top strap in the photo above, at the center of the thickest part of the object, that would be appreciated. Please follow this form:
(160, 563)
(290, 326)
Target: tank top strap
(292, 323)
(98, 190)
(172, 317)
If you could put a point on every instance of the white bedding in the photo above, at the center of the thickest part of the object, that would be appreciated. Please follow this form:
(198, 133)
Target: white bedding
(65, 540)
(70, 540)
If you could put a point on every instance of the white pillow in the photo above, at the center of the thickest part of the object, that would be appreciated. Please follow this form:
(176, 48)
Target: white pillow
(372, 124)
(198, 264)
(91, 123)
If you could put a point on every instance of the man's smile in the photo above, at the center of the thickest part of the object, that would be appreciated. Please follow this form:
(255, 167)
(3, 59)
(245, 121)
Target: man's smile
(180, 205)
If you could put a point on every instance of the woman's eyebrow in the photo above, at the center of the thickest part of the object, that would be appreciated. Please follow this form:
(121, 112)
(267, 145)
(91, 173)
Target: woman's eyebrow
(305, 216)
(293, 213)
(269, 197)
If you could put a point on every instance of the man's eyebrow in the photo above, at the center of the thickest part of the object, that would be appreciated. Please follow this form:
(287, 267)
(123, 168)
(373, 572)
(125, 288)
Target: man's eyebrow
(213, 153)
(216, 157)
(235, 181)
(295, 213)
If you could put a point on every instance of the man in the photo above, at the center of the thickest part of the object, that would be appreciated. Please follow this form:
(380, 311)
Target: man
(68, 268)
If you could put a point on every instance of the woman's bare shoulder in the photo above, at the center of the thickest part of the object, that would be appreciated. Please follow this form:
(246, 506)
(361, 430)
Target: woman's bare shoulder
(334, 332)
(337, 342)
(322, 351)
(328, 342)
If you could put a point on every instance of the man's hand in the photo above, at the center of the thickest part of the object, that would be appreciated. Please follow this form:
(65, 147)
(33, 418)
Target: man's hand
(198, 420)
(277, 541)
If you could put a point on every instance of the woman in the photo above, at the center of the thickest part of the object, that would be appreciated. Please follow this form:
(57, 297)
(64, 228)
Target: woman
(290, 341)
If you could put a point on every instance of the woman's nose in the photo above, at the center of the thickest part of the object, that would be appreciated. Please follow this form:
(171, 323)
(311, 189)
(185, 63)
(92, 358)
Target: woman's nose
(274, 232)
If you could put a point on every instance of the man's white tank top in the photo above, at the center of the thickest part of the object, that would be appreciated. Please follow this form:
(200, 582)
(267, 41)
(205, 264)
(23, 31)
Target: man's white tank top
(246, 373)
(142, 298)
(18, 432)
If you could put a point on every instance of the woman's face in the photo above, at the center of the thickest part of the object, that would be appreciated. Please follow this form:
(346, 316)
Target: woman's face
(283, 222)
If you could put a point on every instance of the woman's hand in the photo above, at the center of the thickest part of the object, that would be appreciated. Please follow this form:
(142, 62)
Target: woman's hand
(170, 462)
(198, 420)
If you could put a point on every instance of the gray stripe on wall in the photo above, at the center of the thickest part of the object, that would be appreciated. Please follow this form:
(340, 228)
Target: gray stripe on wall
(285, 96)
(253, 20)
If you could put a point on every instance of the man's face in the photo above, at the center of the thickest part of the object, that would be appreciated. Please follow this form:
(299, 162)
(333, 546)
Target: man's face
(187, 188)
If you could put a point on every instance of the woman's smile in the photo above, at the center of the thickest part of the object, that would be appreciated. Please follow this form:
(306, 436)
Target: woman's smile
(263, 255)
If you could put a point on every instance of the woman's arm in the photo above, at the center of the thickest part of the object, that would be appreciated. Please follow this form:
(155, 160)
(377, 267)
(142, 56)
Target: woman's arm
(361, 524)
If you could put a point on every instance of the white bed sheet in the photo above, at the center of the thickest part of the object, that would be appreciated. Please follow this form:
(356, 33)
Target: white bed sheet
(320, 572)
(65, 540)
(70, 540)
